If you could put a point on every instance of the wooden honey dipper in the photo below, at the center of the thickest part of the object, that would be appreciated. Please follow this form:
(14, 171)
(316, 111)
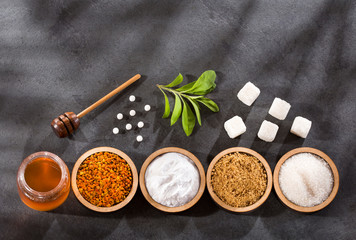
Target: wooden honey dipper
(68, 122)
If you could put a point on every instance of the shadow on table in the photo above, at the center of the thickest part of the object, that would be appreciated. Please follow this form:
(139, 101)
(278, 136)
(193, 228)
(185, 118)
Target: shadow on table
(49, 143)
(147, 221)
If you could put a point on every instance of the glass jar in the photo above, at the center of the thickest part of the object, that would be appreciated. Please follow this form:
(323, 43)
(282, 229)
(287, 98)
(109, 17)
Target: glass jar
(43, 181)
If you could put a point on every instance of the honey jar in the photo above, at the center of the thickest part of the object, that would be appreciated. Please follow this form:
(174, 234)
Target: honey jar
(43, 181)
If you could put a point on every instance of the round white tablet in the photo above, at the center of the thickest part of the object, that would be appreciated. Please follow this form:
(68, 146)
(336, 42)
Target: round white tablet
(132, 98)
(128, 126)
(120, 116)
(140, 124)
(147, 108)
(139, 138)
(132, 113)
(115, 130)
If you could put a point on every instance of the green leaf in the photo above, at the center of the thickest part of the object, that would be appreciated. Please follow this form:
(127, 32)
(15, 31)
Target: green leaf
(177, 111)
(186, 87)
(176, 81)
(167, 109)
(188, 119)
(209, 103)
(204, 85)
(196, 108)
(192, 92)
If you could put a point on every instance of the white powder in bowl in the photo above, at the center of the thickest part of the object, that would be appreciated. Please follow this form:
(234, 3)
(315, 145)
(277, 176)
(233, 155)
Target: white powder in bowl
(306, 179)
(172, 179)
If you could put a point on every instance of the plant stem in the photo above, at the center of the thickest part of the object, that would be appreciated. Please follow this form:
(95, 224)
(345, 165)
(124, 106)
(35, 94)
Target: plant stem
(174, 92)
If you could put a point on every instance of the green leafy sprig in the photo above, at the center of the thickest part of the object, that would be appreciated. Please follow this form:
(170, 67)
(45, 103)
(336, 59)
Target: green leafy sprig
(189, 95)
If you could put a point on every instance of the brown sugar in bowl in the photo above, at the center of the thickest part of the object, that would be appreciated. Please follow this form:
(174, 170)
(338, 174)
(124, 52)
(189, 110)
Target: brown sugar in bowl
(114, 207)
(293, 206)
(224, 205)
(163, 207)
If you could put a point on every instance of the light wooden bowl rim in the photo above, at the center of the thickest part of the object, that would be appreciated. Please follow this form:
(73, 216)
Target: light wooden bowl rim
(117, 206)
(240, 209)
(158, 205)
(289, 203)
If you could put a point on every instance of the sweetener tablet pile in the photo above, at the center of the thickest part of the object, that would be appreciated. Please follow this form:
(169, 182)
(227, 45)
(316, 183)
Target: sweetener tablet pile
(132, 113)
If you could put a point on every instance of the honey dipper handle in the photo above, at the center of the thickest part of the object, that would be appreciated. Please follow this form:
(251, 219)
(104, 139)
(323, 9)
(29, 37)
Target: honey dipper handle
(109, 95)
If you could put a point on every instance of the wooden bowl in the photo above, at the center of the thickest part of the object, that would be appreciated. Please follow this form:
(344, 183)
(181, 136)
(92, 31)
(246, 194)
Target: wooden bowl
(114, 207)
(239, 209)
(158, 205)
(289, 203)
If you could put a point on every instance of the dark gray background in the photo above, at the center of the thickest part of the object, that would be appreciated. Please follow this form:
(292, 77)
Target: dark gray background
(62, 55)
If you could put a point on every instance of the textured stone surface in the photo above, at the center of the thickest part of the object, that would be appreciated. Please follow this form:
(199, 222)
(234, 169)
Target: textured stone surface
(62, 55)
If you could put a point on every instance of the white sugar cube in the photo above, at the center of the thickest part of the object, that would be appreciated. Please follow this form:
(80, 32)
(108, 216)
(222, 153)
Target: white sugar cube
(301, 127)
(248, 94)
(279, 109)
(234, 127)
(268, 131)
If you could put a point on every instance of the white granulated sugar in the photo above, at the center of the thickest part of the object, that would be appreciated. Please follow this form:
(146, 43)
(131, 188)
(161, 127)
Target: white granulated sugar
(140, 124)
(301, 127)
(147, 108)
(120, 116)
(132, 98)
(132, 113)
(172, 179)
(279, 109)
(115, 130)
(306, 179)
(139, 138)
(248, 94)
(268, 131)
(235, 127)
(128, 126)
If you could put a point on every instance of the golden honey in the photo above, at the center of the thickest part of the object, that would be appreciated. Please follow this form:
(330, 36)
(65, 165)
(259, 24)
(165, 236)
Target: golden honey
(43, 181)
